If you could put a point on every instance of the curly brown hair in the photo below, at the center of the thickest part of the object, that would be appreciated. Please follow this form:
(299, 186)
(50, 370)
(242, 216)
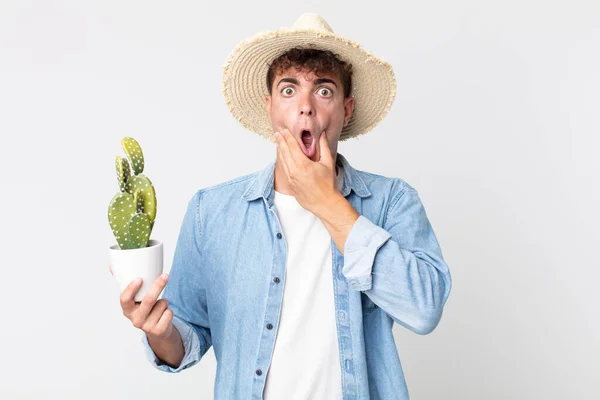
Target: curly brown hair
(311, 60)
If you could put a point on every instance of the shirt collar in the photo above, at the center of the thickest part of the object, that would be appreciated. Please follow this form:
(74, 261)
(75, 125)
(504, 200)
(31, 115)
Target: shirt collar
(262, 183)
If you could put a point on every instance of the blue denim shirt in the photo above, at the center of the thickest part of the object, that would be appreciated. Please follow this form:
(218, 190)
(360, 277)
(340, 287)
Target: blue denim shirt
(228, 275)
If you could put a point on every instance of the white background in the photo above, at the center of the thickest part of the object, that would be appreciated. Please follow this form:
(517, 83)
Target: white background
(495, 124)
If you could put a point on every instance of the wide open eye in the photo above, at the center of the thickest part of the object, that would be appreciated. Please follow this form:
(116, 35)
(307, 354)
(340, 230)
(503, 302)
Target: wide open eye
(326, 92)
(288, 91)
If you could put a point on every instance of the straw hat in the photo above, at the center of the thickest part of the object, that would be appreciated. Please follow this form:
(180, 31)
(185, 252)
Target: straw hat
(245, 72)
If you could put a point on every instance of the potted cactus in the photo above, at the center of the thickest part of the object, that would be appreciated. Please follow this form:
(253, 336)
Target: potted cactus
(131, 214)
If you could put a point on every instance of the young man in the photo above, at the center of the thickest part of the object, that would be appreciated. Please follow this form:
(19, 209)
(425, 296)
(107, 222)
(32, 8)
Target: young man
(296, 273)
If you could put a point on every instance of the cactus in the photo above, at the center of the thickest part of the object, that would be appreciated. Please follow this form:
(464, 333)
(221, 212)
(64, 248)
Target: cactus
(132, 211)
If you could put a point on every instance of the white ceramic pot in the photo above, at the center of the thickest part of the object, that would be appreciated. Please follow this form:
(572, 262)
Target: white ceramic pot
(129, 264)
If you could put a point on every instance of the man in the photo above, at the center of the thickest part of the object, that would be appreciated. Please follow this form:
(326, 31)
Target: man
(295, 274)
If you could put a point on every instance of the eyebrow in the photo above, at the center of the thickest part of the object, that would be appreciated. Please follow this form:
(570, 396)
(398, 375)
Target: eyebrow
(316, 81)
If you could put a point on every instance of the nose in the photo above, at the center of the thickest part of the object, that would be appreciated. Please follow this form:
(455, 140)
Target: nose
(305, 107)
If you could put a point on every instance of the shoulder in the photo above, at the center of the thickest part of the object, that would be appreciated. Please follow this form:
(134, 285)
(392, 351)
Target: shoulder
(229, 185)
(225, 195)
(385, 184)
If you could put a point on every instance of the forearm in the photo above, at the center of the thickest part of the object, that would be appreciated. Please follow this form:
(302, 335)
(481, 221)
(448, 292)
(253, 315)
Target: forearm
(338, 217)
(400, 265)
(169, 350)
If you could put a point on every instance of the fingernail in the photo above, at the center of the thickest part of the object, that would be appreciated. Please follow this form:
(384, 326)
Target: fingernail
(164, 276)
(138, 280)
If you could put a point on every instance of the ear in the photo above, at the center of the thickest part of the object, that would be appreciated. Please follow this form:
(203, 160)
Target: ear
(348, 109)
(268, 105)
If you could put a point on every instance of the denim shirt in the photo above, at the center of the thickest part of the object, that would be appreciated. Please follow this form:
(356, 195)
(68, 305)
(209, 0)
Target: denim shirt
(228, 275)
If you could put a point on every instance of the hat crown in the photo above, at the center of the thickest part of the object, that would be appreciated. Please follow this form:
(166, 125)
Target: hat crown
(311, 21)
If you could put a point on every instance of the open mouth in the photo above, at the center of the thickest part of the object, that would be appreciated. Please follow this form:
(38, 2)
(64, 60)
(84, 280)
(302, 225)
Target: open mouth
(308, 143)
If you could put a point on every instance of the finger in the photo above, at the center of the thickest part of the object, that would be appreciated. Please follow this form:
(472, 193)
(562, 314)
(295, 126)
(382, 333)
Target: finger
(151, 297)
(284, 148)
(325, 152)
(110, 269)
(293, 146)
(282, 155)
(165, 320)
(127, 295)
(283, 161)
(154, 316)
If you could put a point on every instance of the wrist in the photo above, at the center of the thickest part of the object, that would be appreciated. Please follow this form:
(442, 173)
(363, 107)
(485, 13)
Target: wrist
(331, 206)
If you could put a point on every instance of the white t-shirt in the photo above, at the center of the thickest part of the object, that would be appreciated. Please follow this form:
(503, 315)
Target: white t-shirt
(305, 362)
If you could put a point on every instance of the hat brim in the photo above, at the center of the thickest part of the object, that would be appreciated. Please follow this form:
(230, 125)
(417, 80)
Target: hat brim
(245, 71)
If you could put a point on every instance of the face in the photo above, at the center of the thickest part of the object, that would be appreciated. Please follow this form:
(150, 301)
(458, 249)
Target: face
(309, 105)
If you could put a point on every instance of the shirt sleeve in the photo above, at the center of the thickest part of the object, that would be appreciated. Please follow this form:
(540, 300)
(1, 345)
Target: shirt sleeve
(400, 265)
(191, 344)
(186, 294)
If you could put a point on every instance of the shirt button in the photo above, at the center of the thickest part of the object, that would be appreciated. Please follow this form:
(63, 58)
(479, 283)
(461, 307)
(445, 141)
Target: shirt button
(278, 235)
(258, 372)
(276, 280)
(269, 326)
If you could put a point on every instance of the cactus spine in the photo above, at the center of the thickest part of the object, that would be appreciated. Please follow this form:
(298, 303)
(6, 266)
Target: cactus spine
(132, 211)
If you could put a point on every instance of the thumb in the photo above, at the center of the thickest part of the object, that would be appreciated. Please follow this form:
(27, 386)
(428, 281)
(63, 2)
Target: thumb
(325, 151)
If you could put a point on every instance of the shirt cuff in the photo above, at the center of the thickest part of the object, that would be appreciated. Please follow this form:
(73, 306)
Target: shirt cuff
(191, 344)
(361, 246)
